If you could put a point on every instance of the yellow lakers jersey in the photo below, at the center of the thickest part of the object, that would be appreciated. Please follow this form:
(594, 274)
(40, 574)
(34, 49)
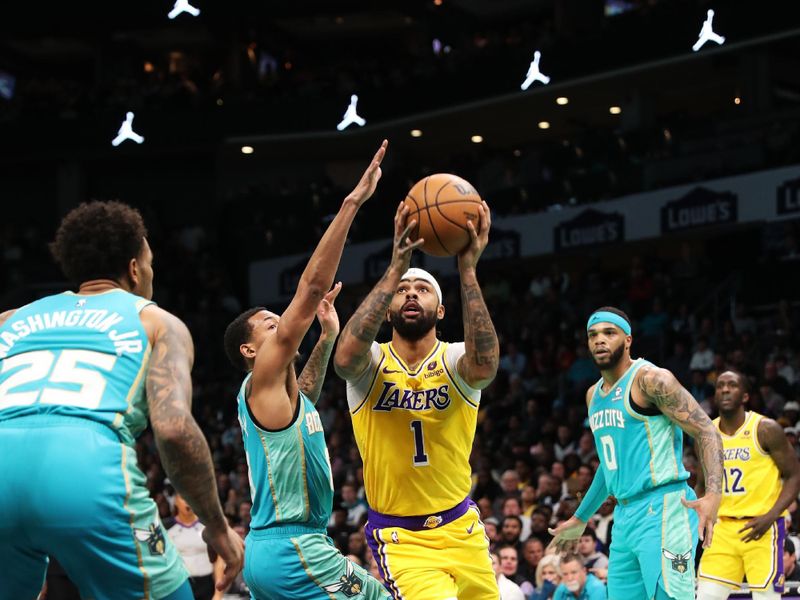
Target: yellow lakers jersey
(751, 482)
(414, 429)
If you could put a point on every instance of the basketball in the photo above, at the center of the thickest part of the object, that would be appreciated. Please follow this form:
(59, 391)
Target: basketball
(442, 204)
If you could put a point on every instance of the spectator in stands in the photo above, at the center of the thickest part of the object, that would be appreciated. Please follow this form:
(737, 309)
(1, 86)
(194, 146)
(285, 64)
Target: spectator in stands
(587, 550)
(790, 570)
(486, 486)
(512, 507)
(701, 390)
(565, 444)
(548, 491)
(356, 510)
(509, 562)
(532, 553)
(357, 545)
(576, 583)
(703, 357)
(604, 521)
(510, 531)
(513, 361)
(586, 447)
(339, 529)
(508, 589)
(548, 577)
(490, 525)
(540, 521)
(678, 362)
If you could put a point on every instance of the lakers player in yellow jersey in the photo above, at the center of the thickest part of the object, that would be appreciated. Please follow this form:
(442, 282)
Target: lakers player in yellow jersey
(748, 538)
(414, 404)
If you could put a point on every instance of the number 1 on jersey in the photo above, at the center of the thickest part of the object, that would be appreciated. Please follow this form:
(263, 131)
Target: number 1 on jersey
(420, 458)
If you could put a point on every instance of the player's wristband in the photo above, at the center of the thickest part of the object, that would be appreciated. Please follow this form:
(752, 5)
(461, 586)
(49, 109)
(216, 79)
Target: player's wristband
(595, 496)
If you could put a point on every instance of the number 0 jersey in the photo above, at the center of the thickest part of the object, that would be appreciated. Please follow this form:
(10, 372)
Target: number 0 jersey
(77, 355)
(414, 429)
(752, 481)
(638, 452)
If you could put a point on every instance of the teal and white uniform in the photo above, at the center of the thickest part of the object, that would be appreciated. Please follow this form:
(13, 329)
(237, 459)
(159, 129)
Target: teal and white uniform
(641, 451)
(288, 553)
(72, 402)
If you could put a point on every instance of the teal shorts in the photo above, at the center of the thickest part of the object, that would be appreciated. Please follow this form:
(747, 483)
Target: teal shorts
(70, 489)
(653, 546)
(301, 563)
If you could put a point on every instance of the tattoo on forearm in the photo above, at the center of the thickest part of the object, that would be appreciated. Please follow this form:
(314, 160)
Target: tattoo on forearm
(480, 338)
(368, 318)
(313, 375)
(182, 447)
(665, 392)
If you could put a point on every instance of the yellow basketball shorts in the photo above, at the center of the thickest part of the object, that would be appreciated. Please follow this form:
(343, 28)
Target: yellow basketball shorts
(729, 559)
(434, 557)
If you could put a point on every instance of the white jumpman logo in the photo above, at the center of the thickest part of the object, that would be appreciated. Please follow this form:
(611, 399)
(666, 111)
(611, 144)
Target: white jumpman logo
(351, 116)
(707, 33)
(182, 6)
(126, 132)
(534, 74)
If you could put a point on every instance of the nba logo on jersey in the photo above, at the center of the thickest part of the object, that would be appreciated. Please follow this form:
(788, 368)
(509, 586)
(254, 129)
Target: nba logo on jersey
(433, 522)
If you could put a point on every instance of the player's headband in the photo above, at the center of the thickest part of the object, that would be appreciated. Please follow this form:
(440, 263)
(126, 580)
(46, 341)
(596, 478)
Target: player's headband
(415, 273)
(604, 316)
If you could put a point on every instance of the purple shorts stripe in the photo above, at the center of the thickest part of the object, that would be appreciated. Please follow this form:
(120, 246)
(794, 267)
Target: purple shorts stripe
(378, 520)
(376, 544)
(778, 580)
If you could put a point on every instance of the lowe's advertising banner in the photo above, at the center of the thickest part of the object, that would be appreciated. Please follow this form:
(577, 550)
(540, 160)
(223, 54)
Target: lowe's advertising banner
(761, 196)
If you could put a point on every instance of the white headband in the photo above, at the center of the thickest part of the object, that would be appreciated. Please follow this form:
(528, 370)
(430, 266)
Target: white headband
(415, 273)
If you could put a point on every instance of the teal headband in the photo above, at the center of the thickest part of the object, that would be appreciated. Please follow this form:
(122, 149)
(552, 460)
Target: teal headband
(603, 316)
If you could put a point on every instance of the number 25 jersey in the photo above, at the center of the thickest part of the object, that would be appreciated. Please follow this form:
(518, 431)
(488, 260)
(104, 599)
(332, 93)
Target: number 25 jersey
(414, 429)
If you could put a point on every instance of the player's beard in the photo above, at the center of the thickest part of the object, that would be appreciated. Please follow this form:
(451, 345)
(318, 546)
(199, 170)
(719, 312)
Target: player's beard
(613, 359)
(413, 329)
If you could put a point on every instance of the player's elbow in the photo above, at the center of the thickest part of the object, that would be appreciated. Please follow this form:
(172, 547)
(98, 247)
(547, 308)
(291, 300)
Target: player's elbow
(480, 376)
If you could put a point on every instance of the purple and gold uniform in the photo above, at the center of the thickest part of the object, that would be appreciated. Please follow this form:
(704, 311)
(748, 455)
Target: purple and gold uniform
(414, 428)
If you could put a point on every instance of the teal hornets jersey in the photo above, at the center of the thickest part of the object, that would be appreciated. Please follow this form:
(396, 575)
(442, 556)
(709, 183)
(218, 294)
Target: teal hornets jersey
(637, 452)
(77, 355)
(289, 470)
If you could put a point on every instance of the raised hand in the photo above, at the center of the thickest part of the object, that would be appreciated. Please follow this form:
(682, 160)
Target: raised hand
(403, 246)
(478, 238)
(326, 313)
(369, 180)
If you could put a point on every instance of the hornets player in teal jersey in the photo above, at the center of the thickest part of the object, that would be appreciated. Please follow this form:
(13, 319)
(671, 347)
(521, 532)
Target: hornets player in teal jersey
(79, 375)
(638, 414)
(288, 554)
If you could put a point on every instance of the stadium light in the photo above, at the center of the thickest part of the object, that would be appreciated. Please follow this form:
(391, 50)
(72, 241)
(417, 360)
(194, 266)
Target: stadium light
(416, 133)
(562, 100)
(247, 150)
(544, 125)
(476, 139)
(615, 110)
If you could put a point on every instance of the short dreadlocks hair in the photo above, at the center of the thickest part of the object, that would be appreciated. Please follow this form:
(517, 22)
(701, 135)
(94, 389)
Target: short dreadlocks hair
(236, 334)
(97, 240)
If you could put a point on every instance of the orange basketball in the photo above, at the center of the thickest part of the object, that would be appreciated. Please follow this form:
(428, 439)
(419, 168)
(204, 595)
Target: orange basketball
(442, 204)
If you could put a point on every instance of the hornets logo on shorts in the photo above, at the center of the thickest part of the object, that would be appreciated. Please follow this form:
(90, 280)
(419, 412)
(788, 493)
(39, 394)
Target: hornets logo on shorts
(153, 537)
(349, 583)
(680, 562)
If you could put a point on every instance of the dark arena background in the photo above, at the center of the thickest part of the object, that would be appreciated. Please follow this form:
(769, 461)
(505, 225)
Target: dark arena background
(643, 175)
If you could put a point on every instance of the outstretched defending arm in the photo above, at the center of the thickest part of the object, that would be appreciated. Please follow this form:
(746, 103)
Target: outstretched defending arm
(478, 366)
(662, 389)
(313, 375)
(273, 359)
(352, 351)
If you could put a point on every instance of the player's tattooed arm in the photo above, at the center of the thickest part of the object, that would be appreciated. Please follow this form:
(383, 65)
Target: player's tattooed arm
(664, 391)
(181, 445)
(352, 352)
(479, 364)
(313, 375)
(6, 315)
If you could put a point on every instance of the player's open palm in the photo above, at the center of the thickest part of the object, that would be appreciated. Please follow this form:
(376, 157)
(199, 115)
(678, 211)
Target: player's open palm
(707, 508)
(478, 237)
(403, 246)
(369, 180)
(229, 546)
(326, 313)
(566, 535)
